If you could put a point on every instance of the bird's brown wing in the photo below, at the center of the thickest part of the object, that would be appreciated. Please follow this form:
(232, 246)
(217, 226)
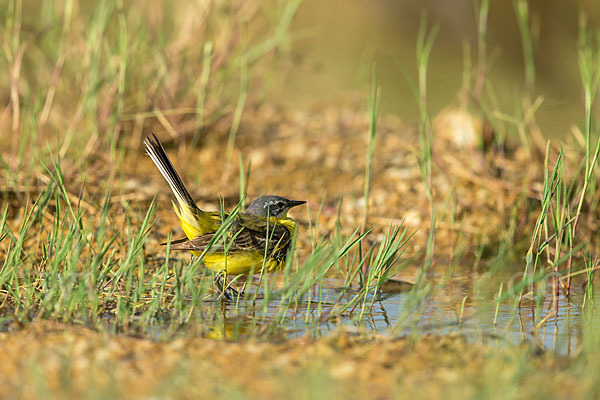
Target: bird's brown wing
(265, 233)
(243, 239)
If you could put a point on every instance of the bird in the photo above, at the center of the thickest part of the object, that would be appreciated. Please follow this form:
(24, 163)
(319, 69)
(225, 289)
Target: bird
(257, 240)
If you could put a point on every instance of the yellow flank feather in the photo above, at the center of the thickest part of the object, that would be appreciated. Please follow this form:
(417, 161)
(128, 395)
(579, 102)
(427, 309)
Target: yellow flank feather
(197, 223)
(241, 263)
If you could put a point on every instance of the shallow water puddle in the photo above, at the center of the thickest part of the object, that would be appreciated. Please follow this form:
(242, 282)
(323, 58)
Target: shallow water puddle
(449, 309)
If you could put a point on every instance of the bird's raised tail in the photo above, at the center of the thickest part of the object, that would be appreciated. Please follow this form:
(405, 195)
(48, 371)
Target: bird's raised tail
(185, 208)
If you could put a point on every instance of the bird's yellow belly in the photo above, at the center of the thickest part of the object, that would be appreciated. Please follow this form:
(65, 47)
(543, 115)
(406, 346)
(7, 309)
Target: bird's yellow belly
(240, 263)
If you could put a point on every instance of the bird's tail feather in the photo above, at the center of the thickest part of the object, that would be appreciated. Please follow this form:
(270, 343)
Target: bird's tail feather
(186, 208)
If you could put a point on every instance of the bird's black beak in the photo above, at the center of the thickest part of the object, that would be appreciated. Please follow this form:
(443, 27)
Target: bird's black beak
(294, 203)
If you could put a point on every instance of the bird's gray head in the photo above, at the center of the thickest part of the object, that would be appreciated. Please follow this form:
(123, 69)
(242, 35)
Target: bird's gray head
(274, 206)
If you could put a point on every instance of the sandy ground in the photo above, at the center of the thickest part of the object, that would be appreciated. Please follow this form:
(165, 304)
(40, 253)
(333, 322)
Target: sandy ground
(65, 361)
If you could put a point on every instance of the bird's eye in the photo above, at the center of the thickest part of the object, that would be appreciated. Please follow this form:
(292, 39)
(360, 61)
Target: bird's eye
(272, 205)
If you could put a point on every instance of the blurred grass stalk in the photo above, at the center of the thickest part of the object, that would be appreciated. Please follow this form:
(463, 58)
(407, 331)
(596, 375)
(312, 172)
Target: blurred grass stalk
(373, 116)
(425, 43)
(589, 67)
(522, 11)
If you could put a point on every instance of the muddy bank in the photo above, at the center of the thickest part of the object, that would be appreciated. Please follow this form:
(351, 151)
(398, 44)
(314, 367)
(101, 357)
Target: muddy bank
(47, 359)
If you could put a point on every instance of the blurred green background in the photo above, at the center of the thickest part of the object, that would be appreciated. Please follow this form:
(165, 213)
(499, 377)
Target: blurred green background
(345, 35)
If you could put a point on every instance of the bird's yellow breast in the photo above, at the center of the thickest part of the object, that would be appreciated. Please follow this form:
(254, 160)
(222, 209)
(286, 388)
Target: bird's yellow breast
(241, 262)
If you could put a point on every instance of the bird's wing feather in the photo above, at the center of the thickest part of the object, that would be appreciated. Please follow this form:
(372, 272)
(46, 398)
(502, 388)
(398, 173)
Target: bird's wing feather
(247, 233)
(184, 239)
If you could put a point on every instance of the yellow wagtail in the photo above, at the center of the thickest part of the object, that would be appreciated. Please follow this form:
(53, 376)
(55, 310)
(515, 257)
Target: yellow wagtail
(257, 239)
